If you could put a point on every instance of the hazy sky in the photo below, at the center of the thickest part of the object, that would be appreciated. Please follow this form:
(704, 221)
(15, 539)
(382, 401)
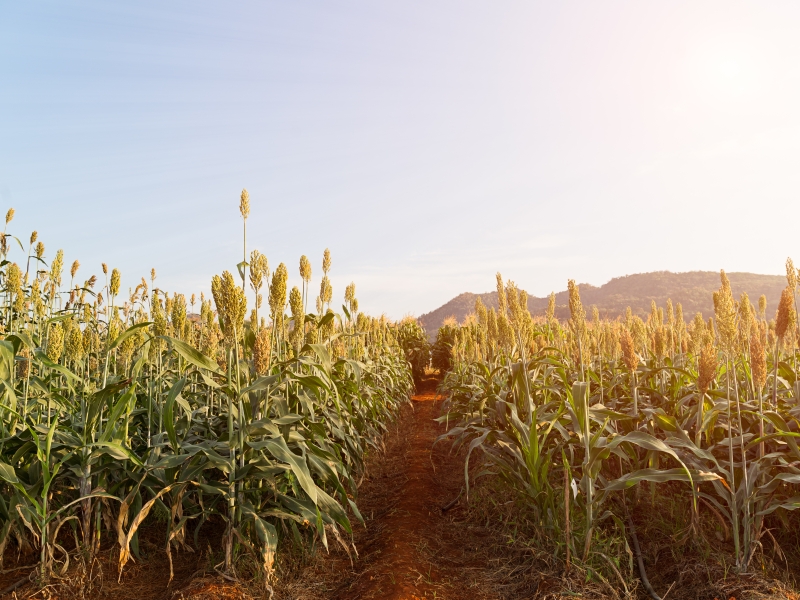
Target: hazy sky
(428, 144)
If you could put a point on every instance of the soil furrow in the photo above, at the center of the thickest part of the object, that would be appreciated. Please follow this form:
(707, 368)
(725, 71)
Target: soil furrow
(413, 550)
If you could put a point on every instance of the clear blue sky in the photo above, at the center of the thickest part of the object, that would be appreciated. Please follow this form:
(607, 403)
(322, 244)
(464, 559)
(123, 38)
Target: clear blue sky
(428, 144)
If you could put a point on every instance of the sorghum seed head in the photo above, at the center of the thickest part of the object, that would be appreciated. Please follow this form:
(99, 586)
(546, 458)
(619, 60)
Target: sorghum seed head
(629, 356)
(708, 367)
(578, 315)
(786, 318)
(758, 360)
(305, 268)
(791, 274)
(326, 261)
(244, 204)
(115, 282)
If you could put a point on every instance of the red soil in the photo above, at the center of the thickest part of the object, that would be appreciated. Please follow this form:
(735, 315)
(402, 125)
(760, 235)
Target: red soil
(410, 548)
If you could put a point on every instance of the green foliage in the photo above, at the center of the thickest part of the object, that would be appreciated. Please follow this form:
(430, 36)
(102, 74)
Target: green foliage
(442, 349)
(412, 339)
(554, 403)
(156, 414)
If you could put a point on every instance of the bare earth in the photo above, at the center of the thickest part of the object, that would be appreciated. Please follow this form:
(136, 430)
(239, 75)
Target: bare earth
(410, 548)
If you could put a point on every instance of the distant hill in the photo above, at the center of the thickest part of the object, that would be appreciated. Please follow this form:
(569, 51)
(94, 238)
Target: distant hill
(693, 290)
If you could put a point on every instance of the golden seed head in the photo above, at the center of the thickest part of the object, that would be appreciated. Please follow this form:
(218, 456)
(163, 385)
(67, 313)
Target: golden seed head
(708, 367)
(14, 278)
(34, 237)
(9, 215)
(725, 311)
(178, 314)
(259, 268)
(791, 274)
(74, 345)
(231, 305)
(501, 295)
(659, 341)
(296, 303)
(326, 290)
(277, 291)
(75, 266)
(326, 261)
(298, 331)
(762, 307)
(152, 274)
(350, 292)
(629, 356)
(56, 267)
(514, 303)
(787, 317)
(244, 204)
(55, 342)
(115, 282)
(758, 360)
(491, 325)
(551, 307)
(305, 268)
(261, 350)
(746, 313)
(577, 314)
(480, 311)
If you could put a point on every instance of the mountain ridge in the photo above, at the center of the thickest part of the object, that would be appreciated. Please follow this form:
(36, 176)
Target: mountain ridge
(693, 289)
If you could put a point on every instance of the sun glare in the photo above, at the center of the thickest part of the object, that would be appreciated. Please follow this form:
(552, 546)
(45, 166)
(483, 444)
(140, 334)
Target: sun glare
(727, 72)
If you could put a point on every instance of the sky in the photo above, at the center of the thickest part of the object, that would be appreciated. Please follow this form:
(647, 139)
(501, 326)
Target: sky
(427, 144)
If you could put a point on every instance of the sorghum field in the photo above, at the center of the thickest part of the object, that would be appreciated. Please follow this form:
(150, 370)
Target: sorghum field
(538, 458)
(121, 408)
(692, 426)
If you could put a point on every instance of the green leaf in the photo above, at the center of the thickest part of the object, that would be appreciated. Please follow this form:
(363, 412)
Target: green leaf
(119, 452)
(6, 360)
(12, 396)
(260, 384)
(278, 448)
(191, 355)
(8, 474)
(19, 338)
(42, 358)
(659, 476)
(268, 536)
(117, 411)
(322, 351)
(169, 410)
(128, 333)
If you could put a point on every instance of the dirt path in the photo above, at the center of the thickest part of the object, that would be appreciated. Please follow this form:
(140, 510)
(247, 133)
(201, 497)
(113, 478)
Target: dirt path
(410, 548)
